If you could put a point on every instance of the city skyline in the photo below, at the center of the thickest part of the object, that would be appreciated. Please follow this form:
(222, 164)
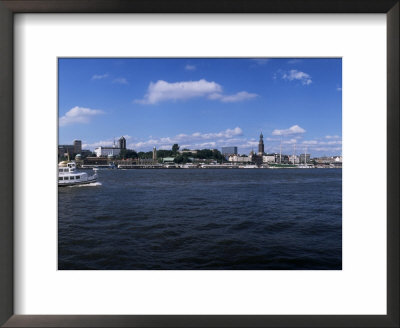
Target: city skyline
(202, 103)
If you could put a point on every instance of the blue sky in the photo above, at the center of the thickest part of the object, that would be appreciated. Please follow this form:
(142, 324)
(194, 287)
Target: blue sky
(202, 103)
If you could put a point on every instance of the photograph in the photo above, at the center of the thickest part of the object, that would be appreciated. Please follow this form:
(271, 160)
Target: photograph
(199, 163)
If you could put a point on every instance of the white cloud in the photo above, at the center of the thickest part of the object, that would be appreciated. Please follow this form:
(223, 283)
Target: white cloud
(79, 115)
(240, 96)
(332, 137)
(290, 142)
(310, 142)
(336, 150)
(332, 142)
(316, 147)
(165, 147)
(190, 67)
(99, 76)
(164, 91)
(120, 80)
(294, 74)
(195, 140)
(228, 133)
(211, 144)
(104, 143)
(101, 143)
(295, 129)
(322, 143)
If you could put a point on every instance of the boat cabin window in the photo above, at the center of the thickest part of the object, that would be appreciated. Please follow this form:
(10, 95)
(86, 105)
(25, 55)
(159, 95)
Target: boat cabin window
(71, 178)
(60, 178)
(77, 177)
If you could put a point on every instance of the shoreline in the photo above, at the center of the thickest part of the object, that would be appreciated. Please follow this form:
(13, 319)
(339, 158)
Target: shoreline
(207, 167)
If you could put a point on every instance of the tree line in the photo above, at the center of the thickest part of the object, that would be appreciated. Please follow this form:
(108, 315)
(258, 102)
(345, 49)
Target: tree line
(185, 157)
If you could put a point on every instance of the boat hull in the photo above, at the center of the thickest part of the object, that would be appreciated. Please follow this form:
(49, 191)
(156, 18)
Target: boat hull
(77, 183)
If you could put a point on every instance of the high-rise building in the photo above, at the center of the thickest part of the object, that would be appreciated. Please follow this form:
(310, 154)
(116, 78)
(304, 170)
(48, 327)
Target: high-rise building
(261, 145)
(77, 146)
(122, 143)
(226, 151)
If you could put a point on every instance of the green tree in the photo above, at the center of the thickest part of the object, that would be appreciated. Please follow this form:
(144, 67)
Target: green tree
(175, 148)
(146, 155)
(127, 153)
(182, 159)
(164, 153)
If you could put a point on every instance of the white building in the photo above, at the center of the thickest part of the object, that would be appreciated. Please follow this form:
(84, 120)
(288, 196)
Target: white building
(107, 151)
(239, 159)
(294, 159)
(269, 159)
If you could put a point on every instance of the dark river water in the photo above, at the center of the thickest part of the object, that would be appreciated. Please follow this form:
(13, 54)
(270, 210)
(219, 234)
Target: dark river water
(203, 219)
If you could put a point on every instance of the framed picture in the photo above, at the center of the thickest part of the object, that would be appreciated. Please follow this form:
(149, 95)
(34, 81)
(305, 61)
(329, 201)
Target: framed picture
(149, 214)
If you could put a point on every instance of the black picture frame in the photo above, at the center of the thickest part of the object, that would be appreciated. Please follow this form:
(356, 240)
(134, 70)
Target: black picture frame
(7, 10)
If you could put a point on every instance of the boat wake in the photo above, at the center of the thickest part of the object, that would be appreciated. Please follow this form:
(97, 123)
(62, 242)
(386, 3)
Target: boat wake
(93, 184)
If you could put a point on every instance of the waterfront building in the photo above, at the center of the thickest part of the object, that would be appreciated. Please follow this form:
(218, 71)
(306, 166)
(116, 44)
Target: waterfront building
(261, 145)
(106, 151)
(278, 157)
(251, 155)
(255, 158)
(77, 146)
(145, 161)
(294, 159)
(239, 159)
(64, 150)
(154, 154)
(328, 159)
(307, 157)
(324, 160)
(226, 151)
(285, 159)
(122, 143)
(269, 158)
(70, 150)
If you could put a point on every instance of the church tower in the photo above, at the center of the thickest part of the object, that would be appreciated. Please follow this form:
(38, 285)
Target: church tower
(261, 145)
(122, 143)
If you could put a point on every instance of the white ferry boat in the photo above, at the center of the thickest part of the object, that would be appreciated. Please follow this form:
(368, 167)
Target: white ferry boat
(68, 176)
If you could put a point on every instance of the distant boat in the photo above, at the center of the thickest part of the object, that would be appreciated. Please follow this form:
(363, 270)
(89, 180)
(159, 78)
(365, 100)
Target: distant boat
(249, 166)
(68, 176)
